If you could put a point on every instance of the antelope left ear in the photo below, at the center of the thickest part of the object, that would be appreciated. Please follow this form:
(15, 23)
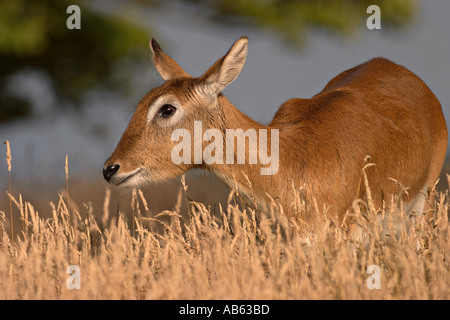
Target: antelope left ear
(166, 66)
(226, 69)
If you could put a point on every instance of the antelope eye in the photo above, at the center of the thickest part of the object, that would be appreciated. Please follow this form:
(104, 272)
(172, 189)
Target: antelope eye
(166, 111)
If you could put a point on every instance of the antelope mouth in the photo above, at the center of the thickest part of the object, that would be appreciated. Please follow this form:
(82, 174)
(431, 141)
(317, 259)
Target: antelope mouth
(131, 179)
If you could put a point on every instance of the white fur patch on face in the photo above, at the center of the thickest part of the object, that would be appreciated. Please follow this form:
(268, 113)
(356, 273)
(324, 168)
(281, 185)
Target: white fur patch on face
(156, 106)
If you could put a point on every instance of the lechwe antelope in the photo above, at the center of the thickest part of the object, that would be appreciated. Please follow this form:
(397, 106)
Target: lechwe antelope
(377, 109)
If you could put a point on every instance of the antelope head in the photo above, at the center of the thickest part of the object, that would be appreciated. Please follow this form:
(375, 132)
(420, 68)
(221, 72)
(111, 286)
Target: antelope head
(143, 153)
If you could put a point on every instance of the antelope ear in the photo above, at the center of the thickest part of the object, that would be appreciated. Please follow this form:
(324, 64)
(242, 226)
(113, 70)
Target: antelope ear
(227, 68)
(166, 66)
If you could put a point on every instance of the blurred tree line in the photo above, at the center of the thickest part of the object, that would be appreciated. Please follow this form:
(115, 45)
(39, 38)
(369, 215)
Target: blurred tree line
(34, 36)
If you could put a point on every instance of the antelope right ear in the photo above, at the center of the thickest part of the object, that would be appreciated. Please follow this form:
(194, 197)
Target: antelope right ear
(226, 69)
(166, 66)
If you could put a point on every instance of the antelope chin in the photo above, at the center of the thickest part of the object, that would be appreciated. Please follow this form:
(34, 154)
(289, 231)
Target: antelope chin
(131, 179)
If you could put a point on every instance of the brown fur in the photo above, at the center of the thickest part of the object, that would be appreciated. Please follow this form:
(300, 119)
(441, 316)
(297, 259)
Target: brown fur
(377, 109)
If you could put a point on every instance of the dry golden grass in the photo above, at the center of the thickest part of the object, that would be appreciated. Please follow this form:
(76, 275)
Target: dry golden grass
(219, 253)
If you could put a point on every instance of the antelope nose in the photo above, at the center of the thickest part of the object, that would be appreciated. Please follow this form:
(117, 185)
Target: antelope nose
(110, 170)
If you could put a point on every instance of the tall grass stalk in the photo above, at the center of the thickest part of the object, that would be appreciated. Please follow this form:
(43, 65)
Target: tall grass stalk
(8, 161)
(66, 168)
